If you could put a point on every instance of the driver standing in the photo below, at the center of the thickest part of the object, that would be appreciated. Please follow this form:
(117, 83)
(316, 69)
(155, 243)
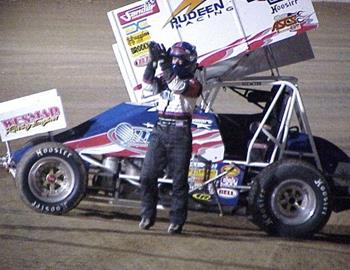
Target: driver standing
(171, 140)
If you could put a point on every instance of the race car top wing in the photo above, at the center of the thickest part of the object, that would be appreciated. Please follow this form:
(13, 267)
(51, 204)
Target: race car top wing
(222, 30)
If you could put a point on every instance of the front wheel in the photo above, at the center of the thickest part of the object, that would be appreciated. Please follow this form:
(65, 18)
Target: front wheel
(51, 178)
(290, 198)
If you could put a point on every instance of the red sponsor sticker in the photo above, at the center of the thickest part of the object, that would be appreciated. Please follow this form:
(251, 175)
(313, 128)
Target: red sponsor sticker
(141, 61)
(31, 120)
(148, 8)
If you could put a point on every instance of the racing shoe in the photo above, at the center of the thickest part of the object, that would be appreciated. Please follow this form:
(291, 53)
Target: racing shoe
(175, 228)
(146, 223)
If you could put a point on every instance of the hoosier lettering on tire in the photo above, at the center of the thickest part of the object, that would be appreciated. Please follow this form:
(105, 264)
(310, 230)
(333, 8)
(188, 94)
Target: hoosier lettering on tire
(51, 178)
(290, 198)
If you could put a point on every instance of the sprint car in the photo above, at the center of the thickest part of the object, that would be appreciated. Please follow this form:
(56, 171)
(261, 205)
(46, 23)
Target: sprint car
(288, 180)
(266, 162)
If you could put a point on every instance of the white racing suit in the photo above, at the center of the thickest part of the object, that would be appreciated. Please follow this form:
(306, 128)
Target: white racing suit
(170, 143)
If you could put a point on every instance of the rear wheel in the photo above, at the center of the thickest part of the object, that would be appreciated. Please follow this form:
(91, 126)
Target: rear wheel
(51, 178)
(290, 198)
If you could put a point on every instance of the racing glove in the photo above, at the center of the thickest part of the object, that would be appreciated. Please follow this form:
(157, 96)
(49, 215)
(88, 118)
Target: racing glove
(166, 65)
(154, 56)
(149, 73)
(154, 51)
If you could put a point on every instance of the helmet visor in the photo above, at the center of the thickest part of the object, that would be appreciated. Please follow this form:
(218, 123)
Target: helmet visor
(180, 53)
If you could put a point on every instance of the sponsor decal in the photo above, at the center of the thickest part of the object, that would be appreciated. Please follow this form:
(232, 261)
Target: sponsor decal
(198, 174)
(228, 182)
(198, 171)
(148, 8)
(234, 170)
(128, 136)
(276, 7)
(138, 38)
(141, 49)
(189, 4)
(136, 27)
(271, 2)
(202, 123)
(290, 21)
(202, 197)
(231, 179)
(142, 61)
(31, 120)
(227, 193)
(283, 6)
(284, 23)
(195, 12)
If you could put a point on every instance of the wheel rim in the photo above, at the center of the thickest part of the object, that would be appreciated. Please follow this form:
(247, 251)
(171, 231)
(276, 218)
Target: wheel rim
(293, 202)
(51, 179)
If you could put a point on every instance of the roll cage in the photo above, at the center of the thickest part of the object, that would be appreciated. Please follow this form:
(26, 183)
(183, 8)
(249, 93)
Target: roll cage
(280, 100)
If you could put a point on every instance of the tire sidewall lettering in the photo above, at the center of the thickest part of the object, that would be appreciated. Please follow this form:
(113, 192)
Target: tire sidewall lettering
(319, 183)
(261, 205)
(46, 208)
(41, 152)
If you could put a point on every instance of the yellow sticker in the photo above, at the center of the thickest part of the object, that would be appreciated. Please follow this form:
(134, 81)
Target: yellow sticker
(234, 172)
(140, 49)
(198, 174)
(138, 38)
(202, 197)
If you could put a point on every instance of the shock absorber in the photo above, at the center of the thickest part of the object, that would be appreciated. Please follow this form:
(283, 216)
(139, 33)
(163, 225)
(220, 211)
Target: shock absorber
(111, 163)
(105, 180)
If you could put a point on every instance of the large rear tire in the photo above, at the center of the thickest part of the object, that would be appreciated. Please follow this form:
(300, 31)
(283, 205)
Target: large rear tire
(290, 198)
(51, 178)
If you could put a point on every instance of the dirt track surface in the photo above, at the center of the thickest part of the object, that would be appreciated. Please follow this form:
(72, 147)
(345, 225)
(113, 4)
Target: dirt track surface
(67, 45)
